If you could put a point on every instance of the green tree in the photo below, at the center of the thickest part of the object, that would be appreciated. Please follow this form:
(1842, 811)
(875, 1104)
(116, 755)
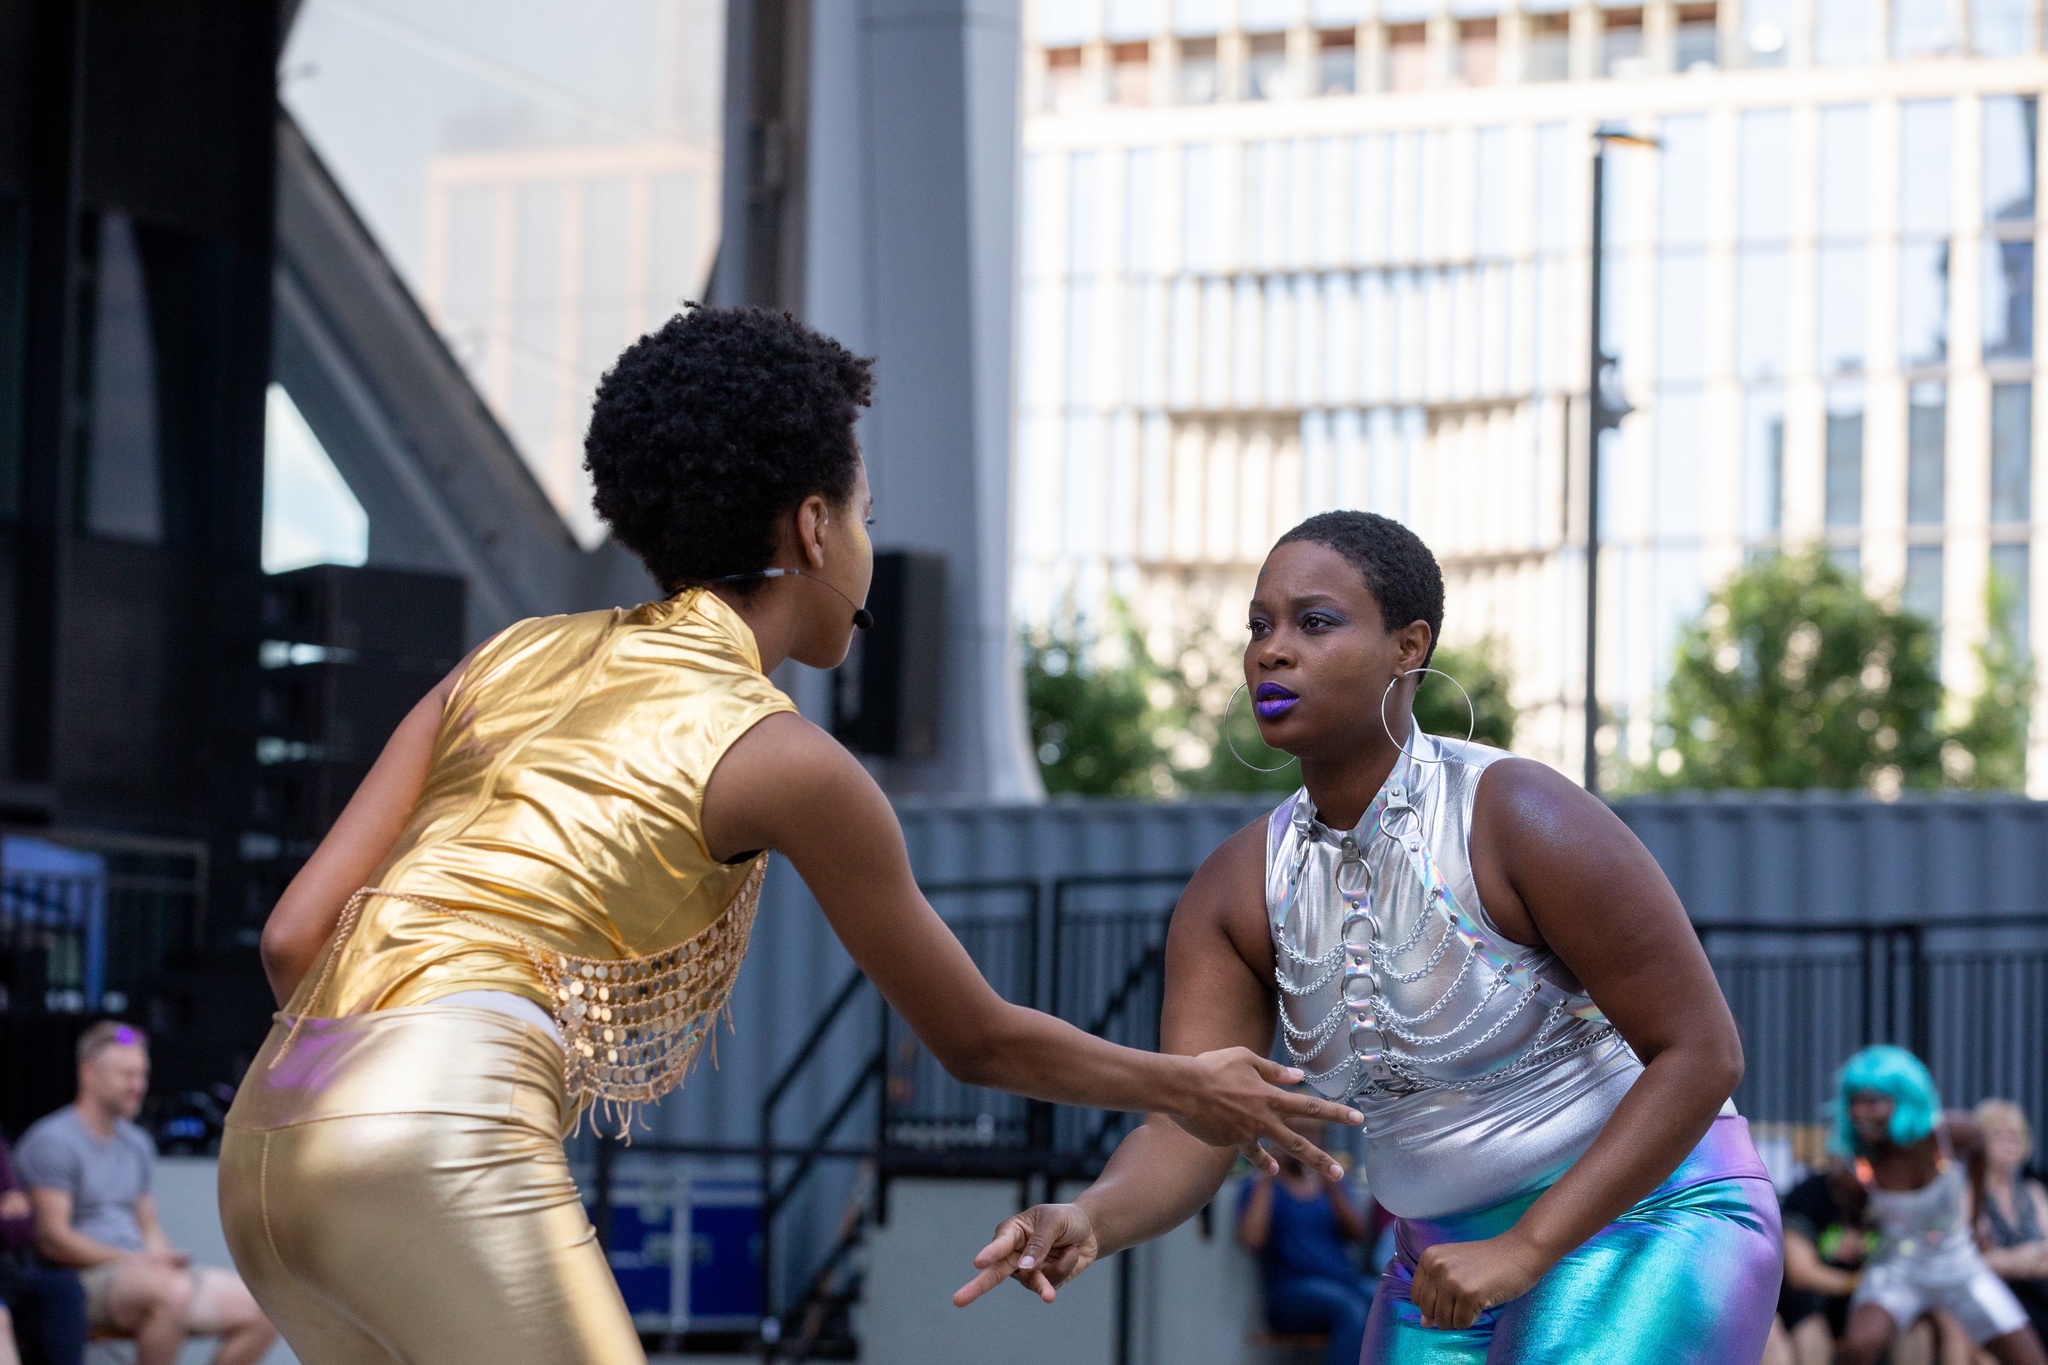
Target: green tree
(1090, 717)
(1793, 676)
(1988, 749)
(1439, 709)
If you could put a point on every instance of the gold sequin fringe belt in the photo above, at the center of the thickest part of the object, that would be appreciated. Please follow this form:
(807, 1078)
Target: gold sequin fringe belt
(631, 1026)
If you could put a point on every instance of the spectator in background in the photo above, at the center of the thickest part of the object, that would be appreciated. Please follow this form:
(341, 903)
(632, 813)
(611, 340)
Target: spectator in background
(2012, 1221)
(42, 1308)
(89, 1171)
(1823, 1252)
(1302, 1224)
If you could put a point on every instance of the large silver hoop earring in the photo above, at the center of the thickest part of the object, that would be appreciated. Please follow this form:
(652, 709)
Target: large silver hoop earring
(1471, 724)
(1233, 743)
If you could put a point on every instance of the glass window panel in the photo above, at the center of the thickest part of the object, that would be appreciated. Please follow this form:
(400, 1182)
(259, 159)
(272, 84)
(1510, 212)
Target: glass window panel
(1681, 302)
(1998, 28)
(1924, 27)
(1621, 45)
(1198, 80)
(1763, 463)
(1547, 48)
(1369, 198)
(1675, 481)
(1923, 303)
(1845, 170)
(1926, 161)
(1760, 340)
(2012, 453)
(1266, 76)
(1083, 221)
(1489, 193)
(1926, 454)
(1766, 174)
(2011, 124)
(1478, 53)
(1406, 204)
(1770, 26)
(1197, 16)
(1843, 286)
(1698, 43)
(1554, 186)
(1331, 182)
(2008, 300)
(2010, 567)
(1842, 30)
(1847, 558)
(1683, 171)
(1140, 226)
(1844, 491)
(1337, 63)
(1197, 200)
(1922, 594)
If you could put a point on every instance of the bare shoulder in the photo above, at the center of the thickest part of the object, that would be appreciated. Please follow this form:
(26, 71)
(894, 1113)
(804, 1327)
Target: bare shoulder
(771, 783)
(1227, 894)
(1523, 799)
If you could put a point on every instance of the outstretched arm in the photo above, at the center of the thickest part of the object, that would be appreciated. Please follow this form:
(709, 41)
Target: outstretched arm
(1218, 969)
(789, 786)
(1554, 863)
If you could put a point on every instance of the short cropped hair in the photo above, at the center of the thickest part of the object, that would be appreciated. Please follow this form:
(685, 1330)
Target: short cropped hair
(109, 1033)
(1893, 1071)
(711, 429)
(1398, 569)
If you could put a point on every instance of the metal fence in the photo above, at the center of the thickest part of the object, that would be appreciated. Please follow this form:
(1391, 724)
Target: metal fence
(85, 918)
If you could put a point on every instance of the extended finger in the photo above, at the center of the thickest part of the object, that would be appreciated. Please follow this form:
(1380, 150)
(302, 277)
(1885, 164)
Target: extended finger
(1315, 1107)
(1274, 1071)
(1004, 1244)
(981, 1284)
(1304, 1151)
(1262, 1160)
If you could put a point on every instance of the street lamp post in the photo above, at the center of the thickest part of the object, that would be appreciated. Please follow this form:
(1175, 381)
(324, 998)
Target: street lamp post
(1602, 414)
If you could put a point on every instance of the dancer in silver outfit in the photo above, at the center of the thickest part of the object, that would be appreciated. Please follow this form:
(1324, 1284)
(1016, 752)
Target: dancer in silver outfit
(1482, 960)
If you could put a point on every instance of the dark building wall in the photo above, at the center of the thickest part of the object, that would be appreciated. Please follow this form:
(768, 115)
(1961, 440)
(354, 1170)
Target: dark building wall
(136, 203)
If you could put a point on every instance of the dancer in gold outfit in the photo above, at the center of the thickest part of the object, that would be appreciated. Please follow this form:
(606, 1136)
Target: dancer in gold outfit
(540, 895)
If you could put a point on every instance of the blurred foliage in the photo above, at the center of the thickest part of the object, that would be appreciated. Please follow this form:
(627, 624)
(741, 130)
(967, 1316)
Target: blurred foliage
(1795, 677)
(1109, 719)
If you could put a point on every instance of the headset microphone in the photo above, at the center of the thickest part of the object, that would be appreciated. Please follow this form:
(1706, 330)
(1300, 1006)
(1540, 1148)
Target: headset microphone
(863, 619)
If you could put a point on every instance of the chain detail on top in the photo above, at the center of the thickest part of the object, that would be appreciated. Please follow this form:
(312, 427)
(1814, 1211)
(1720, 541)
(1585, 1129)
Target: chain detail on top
(1388, 1053)
(631, 1027)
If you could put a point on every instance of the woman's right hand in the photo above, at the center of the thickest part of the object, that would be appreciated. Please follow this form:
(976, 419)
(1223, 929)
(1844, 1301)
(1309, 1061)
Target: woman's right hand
(1042, 1248)
(1237, 1099)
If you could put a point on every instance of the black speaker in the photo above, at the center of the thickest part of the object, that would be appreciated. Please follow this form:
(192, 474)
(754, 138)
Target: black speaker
(885, 697)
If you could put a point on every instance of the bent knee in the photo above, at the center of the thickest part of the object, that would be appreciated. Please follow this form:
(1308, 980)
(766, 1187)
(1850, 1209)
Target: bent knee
(222, 1303)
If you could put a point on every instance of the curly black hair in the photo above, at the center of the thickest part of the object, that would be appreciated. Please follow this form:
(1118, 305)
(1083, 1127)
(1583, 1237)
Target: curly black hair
(708, 432)
(1398, 569)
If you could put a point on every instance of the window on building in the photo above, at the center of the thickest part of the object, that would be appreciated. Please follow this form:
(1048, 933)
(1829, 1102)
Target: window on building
(1199, 78)
(2008, 299)
(1766, 171)
(1923, 303)
(1197, 207)
(1926, 454)
(1761, 279)
(1547, 51)
(1763, 463)
(1697, 44)
(1133, 18)
(1407, 57)
(1843, 277)
(2011, 125)
(1998, 28)
(1924, 28)
(1922, 593)
(1266, 68)
(1130, 73)
(1843, 503)
(1479, 51)
(1769, 26)
(1489, 193)
(1063, 79)
(1926, 168)
(1845, 172)
(1337, 62)
(1843, 32)
(2010, 572)
(1621, 44)
(2012, 454)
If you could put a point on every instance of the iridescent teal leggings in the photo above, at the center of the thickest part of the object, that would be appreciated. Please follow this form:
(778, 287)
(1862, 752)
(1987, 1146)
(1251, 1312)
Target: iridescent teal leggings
(1690, 1274)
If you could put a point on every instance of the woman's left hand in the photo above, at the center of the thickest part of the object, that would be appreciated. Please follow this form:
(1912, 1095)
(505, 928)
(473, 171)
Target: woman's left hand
(1456, 1281)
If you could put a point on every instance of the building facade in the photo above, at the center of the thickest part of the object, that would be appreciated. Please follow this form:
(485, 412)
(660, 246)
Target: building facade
(1280, 256)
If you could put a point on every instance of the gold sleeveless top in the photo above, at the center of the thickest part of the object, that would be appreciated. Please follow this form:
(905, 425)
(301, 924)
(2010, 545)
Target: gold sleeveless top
(559, 828)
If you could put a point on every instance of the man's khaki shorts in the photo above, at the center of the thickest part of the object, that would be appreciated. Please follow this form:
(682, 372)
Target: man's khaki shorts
(99, 1294)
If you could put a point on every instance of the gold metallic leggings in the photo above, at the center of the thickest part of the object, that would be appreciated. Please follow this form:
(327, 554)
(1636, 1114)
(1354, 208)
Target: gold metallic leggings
(394, 1189)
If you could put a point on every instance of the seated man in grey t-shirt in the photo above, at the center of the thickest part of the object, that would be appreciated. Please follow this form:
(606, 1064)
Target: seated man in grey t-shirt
(88, 1169)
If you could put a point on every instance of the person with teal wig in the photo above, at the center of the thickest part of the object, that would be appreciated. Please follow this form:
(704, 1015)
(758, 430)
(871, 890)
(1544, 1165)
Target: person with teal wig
(1919, 1178)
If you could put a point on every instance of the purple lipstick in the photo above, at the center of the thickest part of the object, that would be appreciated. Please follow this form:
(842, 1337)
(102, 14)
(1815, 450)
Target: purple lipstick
(1272, 701)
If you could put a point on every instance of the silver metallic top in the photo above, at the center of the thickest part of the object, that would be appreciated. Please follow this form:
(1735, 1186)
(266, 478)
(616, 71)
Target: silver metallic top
(1482, 1067)
(1926, 1232)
